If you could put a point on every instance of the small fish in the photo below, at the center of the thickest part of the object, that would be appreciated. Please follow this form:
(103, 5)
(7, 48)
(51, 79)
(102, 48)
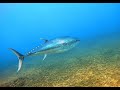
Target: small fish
(56, 45)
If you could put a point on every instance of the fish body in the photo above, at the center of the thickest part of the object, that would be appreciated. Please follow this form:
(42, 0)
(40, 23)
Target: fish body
(56, 45)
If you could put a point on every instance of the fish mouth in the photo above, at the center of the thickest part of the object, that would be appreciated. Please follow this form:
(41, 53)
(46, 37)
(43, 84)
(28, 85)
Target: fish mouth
(75, 41)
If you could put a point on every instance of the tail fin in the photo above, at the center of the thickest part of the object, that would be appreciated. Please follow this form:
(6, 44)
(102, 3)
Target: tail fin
(20, 58)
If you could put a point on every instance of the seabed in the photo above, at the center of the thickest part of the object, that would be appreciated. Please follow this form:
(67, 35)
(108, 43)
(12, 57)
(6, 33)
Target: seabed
(91, 67)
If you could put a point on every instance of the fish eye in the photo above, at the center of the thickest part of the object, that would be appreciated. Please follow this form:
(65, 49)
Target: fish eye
(64, 43)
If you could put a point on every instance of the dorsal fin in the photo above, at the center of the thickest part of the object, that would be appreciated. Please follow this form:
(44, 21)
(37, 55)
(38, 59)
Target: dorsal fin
(44, 39)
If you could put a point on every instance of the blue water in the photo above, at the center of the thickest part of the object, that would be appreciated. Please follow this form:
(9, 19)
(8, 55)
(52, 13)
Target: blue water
(22, 25)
